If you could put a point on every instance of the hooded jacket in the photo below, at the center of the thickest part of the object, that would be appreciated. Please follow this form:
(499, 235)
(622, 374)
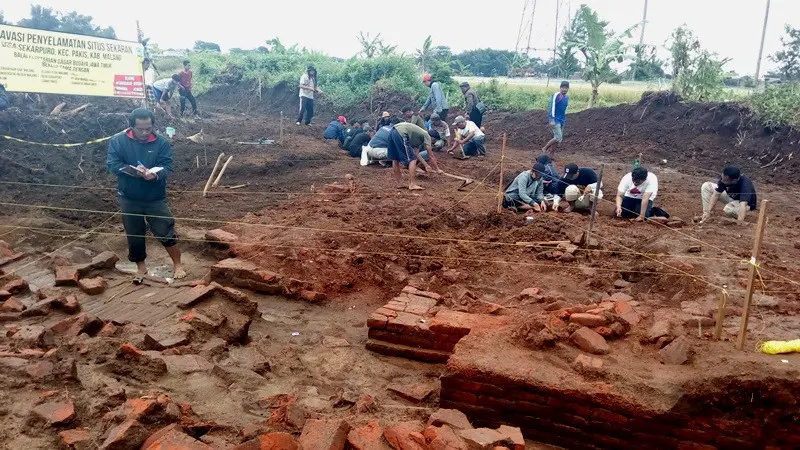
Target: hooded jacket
(124, 150)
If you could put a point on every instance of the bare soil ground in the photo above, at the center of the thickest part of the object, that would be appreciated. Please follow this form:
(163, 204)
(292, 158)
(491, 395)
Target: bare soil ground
(360, 248)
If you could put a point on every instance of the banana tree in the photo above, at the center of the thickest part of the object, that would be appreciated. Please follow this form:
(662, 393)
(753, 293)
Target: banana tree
(598, 46)
(424, 54)
(369, 46)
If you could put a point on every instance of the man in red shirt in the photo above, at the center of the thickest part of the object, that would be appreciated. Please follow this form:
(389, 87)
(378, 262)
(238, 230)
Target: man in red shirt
(186, 87)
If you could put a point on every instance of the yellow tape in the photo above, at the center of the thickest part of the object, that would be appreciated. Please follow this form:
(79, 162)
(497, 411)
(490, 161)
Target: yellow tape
(779, 347)
(93, 141)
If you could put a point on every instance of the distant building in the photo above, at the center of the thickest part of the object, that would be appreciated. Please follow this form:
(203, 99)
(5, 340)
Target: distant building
(180, 53)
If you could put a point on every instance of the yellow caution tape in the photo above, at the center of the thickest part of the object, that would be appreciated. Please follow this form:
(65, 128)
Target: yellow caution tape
(778, 347)
(93, 141)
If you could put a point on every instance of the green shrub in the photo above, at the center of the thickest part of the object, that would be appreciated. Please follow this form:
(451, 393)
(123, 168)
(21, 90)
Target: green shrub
(777, 105)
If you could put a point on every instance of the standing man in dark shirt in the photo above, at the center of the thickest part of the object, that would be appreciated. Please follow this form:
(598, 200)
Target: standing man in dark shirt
(735, 191)
(577, 187)
(142, 161)
(186, 87)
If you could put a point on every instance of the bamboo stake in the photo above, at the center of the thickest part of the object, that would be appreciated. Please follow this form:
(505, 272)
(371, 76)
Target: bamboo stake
(197, 161)
(221, 171)
(723, 301)
(594, 205)
(748, 298)
(500, 183)
(280, 138)
(211, 177)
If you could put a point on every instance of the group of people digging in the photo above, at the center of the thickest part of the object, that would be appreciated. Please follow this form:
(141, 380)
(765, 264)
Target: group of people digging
(161, 91)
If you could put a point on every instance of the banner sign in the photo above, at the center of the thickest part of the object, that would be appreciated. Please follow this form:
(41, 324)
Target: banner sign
(61, 63)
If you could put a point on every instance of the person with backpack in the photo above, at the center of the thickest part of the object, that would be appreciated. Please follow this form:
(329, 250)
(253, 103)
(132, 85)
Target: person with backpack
(473, 104)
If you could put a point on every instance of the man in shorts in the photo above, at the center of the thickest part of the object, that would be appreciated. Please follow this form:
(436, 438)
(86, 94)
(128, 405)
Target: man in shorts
(405, 141)
(163, 90)
(142, 161)
(558, 114)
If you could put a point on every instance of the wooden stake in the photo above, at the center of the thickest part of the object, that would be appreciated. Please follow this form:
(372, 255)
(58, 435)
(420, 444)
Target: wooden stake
(221, 171)
(280, 138)
(500, 183)
(211, 177)
(197, 160)
(748, 297)
(594, 205)
(723, 301)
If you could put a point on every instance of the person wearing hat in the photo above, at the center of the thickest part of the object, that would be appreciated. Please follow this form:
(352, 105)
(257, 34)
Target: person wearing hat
(360, 140)
(436, 100)
(526, 192)
(384, 121)
(558, 115)
(470, 136)
(308, 87)
(335, 129)
(439, 131)
(472, 104)
(578, 187)
(405, 142)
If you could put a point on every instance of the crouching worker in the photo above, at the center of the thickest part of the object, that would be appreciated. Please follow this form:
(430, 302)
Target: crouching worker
(354, 148)
(405, 142)
(577, 187)
(526, 192)
(439, 131)
(142, 160)
(377, 150)
(636, 193)
(736, 192)
(335, 129)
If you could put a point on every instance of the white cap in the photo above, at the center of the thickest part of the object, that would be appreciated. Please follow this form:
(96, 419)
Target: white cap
(572, 193)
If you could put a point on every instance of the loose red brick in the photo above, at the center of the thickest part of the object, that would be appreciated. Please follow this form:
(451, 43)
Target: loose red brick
(221, 237)
(677, 352)
(416, 392)
(40, 370)
(78, 438)
(482, 437)
(17, 286)
(405, 322)
(589, 341)
(324, 435)
(588, 320)
(513, 437)
(173, 437)
(93, 286)
(70, 304)
(377, 321)
(587, 364)
(66, 276)
(4, 295)
(443, 438)
(451, 417)
(235, 329)
(619, 329)
(12, 305)
(108, 330)
(397, 306)
(127, 435)
(270, 441)
(620, 297)
(606, 332)
(191, 296)
(368, 437)
(54, 413)
(622, 307)
(34, 336)
(405, 436)
(312, 296)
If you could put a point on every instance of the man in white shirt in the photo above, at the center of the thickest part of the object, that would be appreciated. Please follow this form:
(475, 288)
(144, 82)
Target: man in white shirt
(163, 90)
(470, 136)
(307, 87)
(636, 193)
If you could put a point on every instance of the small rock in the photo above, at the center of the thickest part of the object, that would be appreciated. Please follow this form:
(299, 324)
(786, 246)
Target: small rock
(93, 286)
(269, 441)
(366, 404)
(324, 435)
(606, 332)
(589, 341)
(567, 258)
(221, 237)
(55, 413)
(4, 295)
(659, 329)
(17, 286)
(677, 352)
(173, 437)
(694, 249)
(368, 437)
(555, 306)
(312, 296)
(696, 321)
(184, 364)
(620, 297)
(587, 364)
(415, 392)
(451, 417)
(406, 436)
(66, 276)
(528, 293)
(127, 435)
(443, 438)
(663, 341)
(588, 320)
(334, 342)
(619, 329)
(78, 439)
(621, 284)
(12, 305)
(34, 336)
(481, 438)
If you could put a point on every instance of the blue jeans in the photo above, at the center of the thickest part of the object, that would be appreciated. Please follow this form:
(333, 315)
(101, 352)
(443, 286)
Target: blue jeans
(631, 207)
(476, 146)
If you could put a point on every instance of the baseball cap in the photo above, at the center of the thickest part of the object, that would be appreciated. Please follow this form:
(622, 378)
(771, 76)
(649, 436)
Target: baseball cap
(385, 115)
(427, 77)
(572, 193)
(571, 170)
(366, 128)
(342, 119)
(465, 84)
(435, 116)
(459, 119)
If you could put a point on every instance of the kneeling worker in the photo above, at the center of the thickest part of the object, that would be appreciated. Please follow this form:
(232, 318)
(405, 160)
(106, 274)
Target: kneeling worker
(735, 191)
(636, 193)
(439, 131)
(360, 140)
(526, 191)
(577, 187)
(405, 140)
(470, 136)
(335, 129)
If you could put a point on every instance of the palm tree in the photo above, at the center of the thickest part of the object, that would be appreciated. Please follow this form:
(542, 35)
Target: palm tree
(423, 55)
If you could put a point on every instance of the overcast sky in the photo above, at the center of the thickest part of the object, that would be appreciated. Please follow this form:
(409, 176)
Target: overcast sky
(731, 28)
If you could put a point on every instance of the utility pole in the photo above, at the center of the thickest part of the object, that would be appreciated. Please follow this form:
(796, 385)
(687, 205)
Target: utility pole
(761, 48)
(641, 37)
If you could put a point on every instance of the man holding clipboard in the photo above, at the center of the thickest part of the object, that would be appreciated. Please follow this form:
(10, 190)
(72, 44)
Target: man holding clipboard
(142, 161)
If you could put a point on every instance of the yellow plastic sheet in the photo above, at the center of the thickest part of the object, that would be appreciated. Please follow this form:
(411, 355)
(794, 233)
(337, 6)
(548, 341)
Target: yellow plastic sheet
(778, 347)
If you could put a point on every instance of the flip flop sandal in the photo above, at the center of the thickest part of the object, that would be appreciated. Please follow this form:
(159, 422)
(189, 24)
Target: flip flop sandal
(138, 279)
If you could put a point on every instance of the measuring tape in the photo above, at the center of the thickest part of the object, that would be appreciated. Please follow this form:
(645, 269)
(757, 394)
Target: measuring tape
(93, 141)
